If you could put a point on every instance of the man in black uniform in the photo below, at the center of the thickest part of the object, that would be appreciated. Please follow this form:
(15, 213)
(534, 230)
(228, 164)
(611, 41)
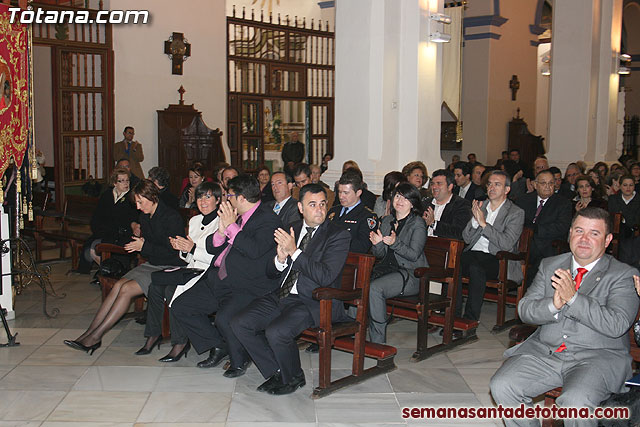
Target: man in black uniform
(352, 214)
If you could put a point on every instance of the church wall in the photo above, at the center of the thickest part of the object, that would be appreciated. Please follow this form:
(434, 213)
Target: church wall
(143, 79)
(492, 54)
(631, 19)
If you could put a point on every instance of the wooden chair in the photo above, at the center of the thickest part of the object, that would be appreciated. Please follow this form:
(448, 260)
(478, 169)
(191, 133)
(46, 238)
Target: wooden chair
(498, 290)
(443, 256)
(614, 246)
(348, 336)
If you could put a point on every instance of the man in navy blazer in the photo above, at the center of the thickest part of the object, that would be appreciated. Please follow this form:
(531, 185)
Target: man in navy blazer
(311, 254)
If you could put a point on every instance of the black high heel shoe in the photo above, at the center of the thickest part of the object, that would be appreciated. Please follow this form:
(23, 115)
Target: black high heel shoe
(78, 346)
(144, 350)
(169, 359)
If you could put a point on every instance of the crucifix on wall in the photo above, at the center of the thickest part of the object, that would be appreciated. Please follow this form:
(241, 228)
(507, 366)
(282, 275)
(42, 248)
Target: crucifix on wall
(178, 49)
(514, 85)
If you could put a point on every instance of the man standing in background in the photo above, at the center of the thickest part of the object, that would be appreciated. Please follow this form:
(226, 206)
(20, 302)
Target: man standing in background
(131, 150)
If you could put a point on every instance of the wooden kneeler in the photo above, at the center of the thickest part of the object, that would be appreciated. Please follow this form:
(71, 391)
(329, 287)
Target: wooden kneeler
(348, 336)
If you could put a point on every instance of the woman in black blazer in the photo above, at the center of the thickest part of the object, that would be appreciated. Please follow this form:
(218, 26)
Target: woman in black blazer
(399, 246)
(157, 223)
(585, 187)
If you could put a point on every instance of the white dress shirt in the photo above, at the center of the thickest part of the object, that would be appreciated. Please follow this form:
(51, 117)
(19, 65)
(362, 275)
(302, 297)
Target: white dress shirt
(437, 214)
(281, 267)
(482, 244)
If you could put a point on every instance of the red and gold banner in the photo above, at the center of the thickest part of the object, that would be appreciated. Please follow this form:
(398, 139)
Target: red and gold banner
(14, 90)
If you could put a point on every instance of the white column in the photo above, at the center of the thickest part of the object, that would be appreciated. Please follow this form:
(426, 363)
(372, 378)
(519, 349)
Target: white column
(584, 83)
(6, 299)
(388, 87)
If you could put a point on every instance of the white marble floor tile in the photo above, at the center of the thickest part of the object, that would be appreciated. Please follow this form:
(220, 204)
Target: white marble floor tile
(358, 408)
(119, 378)
(99, 406)
(83, 424)
(42, 378)
(33, 336)
(124, 356)
(20, 423)
(479, 358)
(15, 355)
(428, 380)
(5, 369)
(61, 355)
(341, 360)
(403, 360)
(28, 405)
(220, 424)
(194, 380)
(477, 378)
(377, 384)
(261, 407)
(185, 407)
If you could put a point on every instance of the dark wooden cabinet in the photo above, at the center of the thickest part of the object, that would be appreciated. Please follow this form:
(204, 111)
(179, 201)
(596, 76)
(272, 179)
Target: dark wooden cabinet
(530, 146)
(184, 138)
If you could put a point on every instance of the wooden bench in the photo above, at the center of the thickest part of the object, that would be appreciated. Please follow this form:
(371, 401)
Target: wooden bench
(74, 229)
(443, 256)
(348, 336)
(498, 290)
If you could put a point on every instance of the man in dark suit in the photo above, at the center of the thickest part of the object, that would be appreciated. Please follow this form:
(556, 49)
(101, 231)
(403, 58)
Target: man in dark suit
(311, 254)
(243, 245)
(352, 214)
(477, 173)
(548, 214)
(445, 214)
(161, 178)
(284, 205)
(584, 302)
(465, 187)
(367, 197)
(292, 153)
(568, 186)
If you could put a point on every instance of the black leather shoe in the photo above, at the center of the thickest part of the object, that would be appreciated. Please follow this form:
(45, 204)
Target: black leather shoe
(296, 383)
(237, 372)
(273, 381)
(313, 348)
(144, 350)
(169, 359)
(216, 356)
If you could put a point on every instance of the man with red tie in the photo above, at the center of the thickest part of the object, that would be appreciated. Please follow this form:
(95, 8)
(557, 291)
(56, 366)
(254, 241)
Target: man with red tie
(585, 303)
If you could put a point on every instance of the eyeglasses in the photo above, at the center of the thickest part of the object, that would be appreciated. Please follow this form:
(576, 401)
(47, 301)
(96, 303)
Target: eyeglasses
(545, 184)
(229, 195)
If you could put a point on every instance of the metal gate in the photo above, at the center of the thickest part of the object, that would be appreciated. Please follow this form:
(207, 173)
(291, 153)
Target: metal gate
(270, 61)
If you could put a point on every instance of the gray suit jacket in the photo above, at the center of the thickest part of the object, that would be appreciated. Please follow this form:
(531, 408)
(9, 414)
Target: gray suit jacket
(594, 327)
(289, 213)
(409, 244)
(503, 235)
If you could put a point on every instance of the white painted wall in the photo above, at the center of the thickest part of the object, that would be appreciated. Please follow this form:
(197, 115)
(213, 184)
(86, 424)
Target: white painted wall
(143, 79)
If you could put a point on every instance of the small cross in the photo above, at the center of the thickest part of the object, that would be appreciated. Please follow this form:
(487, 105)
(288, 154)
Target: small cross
(181, 91)
(514, 85)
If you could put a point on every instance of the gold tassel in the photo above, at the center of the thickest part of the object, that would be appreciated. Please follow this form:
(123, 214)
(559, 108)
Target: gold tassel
(458, 131)
(25, 206)
(30, 212)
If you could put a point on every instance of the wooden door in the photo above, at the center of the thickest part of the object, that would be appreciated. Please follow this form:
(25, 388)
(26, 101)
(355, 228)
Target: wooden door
(319, 116)
(82, 116)
(251, 134)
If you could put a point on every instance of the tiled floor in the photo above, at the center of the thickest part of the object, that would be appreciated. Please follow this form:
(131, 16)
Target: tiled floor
(45, 383)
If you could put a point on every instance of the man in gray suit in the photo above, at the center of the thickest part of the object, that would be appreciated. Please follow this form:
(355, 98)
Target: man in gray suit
(284, 205)
(495, 226)
(585, 303)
